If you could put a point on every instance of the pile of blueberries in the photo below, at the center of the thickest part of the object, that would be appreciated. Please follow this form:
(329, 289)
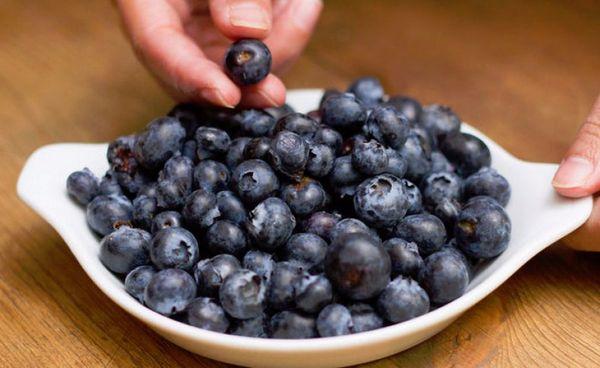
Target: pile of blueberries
(369, 211)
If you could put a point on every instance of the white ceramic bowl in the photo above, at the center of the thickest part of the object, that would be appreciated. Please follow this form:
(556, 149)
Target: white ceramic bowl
(538, 215)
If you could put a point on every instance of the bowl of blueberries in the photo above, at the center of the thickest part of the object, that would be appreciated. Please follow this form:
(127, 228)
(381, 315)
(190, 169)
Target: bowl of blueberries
(342, 227)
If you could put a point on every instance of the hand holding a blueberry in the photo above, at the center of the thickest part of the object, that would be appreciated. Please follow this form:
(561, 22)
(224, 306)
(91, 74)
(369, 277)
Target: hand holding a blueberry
(579, 176)
(184, 42)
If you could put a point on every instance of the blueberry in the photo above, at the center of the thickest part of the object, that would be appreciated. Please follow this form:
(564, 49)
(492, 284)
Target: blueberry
(417, 153)
(343, 112)
(329, 137)
(158, 142)
(349, 144)
(483, 229)
(447, 210)
(368, 90)
(255, 123)
(292, 325)
(334, 320)
(106, 212)
(404, 256)
(278, 112)
(170, 291)
(235, 154)
(137, 280)
(211, 142)
(165, 220)
(178, 168)
(270, 224)
(388, 126)
(415, 200)
(381, 201)
(257, 148)
(321, 223)
(254, 180)
(210, 273)
(110, 185)
(148, 190)
(439, 186)
(120, 154)
(200, 209)
(487, 182)
(352, 226)
(231, 207)
(253, 327)
(440, 121)
(288, 153)
(82, 185)
(320, 160)
(172, 193)
(282, 286)
(248, 61)
(364, 318)
(174, 247)
(426, 230)
(402, 299)
(188, 115)
(439, 163)
(313, 293)
(259, 262)
(466, 152)
(305, 248)
(225, 237)
(397, 165)
(131, 184)
(211, 176)
(445, 276)
(370, 158)
(125, 249)
(298, 123)
(357, 266)
(343, 172)
(429, 142)
(304, 197)
(242, 294)
(328, 93)
(409, 107)
(205, 313)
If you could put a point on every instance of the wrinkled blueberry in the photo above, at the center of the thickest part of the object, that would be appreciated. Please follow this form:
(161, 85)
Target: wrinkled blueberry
(207, 314)
(466, 152)
(254, 180)
(210, 273)
(426, 230)
(402, 299)
(404, 256)
(137, 280)
(106, 212)
(82, 185)
(270, 224)
(381, 201)
(334, 320)
(125, 249)
(158, 142)
(174, 247)
(225, 237)
(170, 291)
(487, 182)
(292, 325)
(242, 294)
(248, 61)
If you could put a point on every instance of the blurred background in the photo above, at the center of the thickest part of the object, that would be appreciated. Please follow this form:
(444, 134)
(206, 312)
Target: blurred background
(525, 73)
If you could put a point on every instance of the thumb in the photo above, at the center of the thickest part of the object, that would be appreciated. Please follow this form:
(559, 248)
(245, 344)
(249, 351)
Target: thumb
(242, 18)
(579, 172)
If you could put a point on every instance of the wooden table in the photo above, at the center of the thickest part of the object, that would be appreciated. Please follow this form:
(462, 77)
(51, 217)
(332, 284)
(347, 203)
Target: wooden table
(526, 76)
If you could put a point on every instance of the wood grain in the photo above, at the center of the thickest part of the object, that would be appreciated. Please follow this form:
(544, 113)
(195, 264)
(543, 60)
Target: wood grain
(526, 75)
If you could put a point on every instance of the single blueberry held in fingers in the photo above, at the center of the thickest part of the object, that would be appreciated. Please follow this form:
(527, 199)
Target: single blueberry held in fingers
(158, 142)
(170, 291)
(381, 201)
(370, 158)
(235, 154)
(445, 276)
(270, 224)
(137, 280)
(407, 106)
(368, 90)
(248, 61)
(125, 249)
(288, 153)
(388, 126)
(211, 176)
(304, 197)
(254, 181)
(82, 185)
(440, 121)
(107, 212)
(210, 273)
(200, 209)
(307, 249)
(174, 247)
(487, 182)
(482, 229)
(242, 294)
(313, 292)
(207, 314)
(225, 237)
(334, 320)
(426, 230)
(357, 266)
(298, 123)
(261, 263)
(292, 325)
(281, 291)
(404, 256)
(402, 299)
(364, 318)
(211, 142)
(466, 152)
(320, 160)
(231, 207)
(321, 223)
(164, 220)
(343, 112)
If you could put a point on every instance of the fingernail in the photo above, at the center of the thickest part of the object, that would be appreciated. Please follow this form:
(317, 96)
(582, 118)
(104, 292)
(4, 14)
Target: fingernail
(215, 96)
(249, 15)
(573, 172)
